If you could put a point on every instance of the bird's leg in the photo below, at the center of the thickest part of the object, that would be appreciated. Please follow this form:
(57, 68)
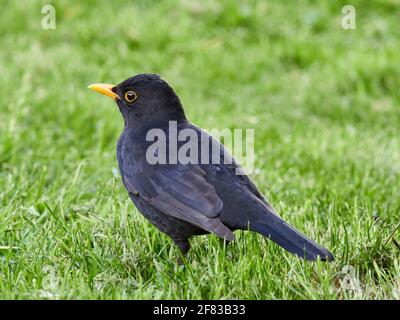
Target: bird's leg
(184, 247)
(224, 242)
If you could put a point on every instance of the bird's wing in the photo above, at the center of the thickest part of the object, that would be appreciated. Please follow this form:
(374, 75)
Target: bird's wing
(181, 191)
(238, 174)
(246, 181)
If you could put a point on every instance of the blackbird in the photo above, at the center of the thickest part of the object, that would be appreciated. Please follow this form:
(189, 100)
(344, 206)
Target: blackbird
(195, 198)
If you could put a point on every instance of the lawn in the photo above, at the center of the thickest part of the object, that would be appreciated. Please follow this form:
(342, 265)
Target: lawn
(324, 105)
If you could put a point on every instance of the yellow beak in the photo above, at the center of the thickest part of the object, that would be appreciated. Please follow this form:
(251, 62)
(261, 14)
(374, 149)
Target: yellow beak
(104, 88)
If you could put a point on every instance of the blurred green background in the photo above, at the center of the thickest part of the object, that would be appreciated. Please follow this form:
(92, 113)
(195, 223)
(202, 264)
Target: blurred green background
(324, 104)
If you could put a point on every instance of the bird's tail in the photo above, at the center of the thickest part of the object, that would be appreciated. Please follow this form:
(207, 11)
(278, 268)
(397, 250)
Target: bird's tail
(274, 228)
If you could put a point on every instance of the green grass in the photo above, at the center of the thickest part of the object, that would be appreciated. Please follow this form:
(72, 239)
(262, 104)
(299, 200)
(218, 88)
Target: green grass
(324, 104)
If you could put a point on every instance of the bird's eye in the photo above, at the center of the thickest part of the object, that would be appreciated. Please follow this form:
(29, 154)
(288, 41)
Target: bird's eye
(130, 96)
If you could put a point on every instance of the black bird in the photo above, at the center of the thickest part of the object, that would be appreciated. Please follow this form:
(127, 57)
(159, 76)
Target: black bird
(183, 200)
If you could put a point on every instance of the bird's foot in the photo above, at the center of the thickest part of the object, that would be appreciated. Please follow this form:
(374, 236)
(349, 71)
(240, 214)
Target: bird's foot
(184, 247)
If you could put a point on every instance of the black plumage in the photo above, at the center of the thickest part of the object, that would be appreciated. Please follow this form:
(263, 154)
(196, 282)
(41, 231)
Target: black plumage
(183, 200)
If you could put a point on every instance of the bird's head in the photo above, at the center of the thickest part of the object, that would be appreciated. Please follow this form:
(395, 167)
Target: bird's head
(143, 97)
